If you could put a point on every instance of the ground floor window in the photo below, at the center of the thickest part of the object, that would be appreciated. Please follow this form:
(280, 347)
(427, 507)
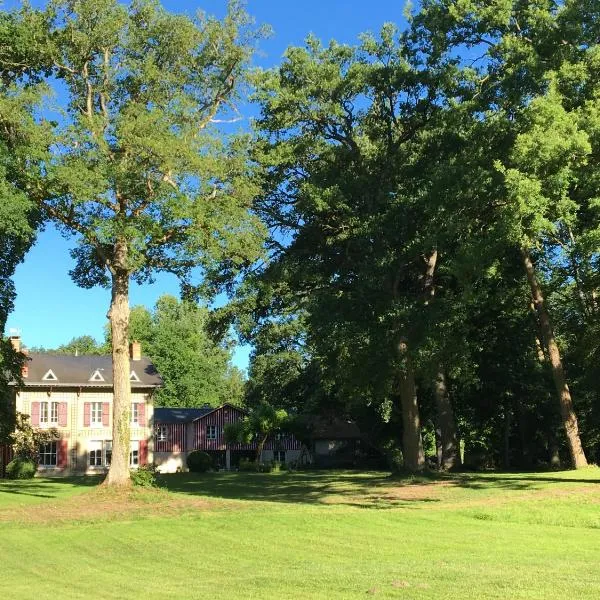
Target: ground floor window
(107, 452)
(134, 454)
(95, 454)
(279, 456)
(99, 453)
(48, 454)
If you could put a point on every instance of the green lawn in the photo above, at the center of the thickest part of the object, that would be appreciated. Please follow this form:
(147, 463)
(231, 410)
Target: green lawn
(305, 535)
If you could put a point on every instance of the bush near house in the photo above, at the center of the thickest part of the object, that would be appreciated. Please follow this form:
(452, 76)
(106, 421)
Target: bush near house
(144, 476)
(21, 468)
(199, 462)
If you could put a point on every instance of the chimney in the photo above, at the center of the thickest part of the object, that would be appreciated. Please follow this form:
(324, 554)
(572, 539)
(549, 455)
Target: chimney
(15, 340)
(135, 350)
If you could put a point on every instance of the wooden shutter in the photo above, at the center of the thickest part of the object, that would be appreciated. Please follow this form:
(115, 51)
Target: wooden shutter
(86, 414)
(142, 414)
(143, 448)
(35, 414)
(62, 451)
(105, 414)
(62, 414)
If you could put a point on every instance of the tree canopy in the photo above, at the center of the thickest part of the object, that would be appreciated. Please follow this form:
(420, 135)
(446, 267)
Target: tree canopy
(195, 369)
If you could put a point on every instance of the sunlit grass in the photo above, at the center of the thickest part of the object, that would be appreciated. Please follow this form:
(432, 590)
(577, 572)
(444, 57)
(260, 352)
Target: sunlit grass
(310, 535)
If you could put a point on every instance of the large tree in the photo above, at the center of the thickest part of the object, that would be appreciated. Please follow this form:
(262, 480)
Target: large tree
(531, 92)
(132, 166)
(343, 131)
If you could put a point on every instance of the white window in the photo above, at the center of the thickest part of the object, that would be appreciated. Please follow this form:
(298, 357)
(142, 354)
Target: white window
(43, 412)
(135, 415)
(96, 413)
(48, 413)
(279, 456)
(133, 377)
(162, 433)
(95, 454)
(211, 432)
(53, 412)
(47, 454)
(134, 454)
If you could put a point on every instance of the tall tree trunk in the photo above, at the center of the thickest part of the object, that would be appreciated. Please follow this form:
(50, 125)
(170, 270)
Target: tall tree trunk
(259, 449)
(562, 389)
(447, 425)
(118, 474)
(446, 422)
(412, 443)
(438, 446)
(507, 428)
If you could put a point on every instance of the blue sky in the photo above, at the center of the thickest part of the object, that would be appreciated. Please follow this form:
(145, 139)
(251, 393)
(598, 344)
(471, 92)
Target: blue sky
(50, 309)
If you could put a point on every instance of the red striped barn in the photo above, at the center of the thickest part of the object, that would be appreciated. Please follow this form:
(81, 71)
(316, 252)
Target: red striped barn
(178, 431)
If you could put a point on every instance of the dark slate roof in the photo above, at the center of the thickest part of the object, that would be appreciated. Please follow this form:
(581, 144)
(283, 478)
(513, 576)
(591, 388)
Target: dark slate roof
(78, 370)
(180, 415)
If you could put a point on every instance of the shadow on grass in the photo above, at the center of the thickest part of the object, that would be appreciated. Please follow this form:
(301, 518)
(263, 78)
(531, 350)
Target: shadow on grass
(44, 488)
(362, 490)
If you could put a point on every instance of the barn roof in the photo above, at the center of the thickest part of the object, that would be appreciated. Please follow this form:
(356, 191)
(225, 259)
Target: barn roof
(180, 415)
(64, 370)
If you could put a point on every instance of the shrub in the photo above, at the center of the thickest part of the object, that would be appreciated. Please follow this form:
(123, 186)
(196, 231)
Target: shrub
(144, 476)
(265, 467)
(247, 465)
(21, 468)
(199, 462)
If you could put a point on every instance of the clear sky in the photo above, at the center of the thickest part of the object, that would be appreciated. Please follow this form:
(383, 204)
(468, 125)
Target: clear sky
(50, 309)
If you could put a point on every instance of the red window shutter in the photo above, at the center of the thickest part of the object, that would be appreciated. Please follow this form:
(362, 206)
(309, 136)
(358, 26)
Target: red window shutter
(143, 452)
(35, 414)
(62, 451)
(142, 414)
(86, 414)
(62, 414)
(105, 414)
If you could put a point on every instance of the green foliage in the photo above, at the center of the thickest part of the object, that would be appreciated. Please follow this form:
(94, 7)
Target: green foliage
(261, 422)
(199, 462)
(195, 369)
(144, 476)
(26, 440)
(473, 134)
(21, 468)
(141, 167)
(82, 345)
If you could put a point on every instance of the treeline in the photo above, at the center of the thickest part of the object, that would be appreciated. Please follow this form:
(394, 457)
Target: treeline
(432, 201)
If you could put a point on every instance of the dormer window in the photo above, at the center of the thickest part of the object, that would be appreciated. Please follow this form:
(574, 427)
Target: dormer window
(97, 376)
(50, 376)
(133, 377)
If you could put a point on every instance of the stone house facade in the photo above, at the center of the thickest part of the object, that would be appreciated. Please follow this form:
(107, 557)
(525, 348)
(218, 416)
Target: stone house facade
(73, 395)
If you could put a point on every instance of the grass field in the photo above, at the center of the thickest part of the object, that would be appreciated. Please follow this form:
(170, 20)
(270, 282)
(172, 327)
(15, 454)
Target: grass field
(303, 536)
